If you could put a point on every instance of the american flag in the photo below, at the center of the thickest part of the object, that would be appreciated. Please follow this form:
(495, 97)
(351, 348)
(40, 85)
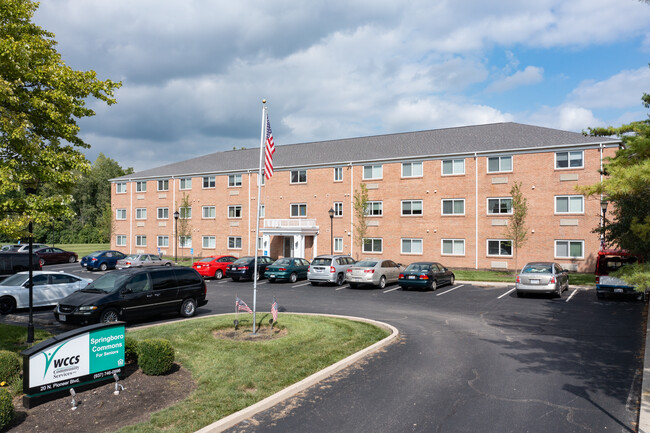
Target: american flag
(241, 306)
(270, 150)
(274, 310)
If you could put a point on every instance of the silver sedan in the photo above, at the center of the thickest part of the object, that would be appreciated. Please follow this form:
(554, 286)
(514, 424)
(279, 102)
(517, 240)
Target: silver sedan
(140, 260)
(542, 277)
(376, 272)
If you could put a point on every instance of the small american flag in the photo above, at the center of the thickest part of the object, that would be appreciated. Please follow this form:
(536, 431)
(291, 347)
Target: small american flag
(274, 310)
(241, 306)
(270, 150)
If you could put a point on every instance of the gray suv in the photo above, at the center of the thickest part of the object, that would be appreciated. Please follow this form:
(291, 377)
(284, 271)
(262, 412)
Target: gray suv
(329, 269)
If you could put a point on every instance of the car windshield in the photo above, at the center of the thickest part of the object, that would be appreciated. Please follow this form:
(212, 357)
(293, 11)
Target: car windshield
(107, 283)
(366, 263)
(417, 267)
(243, 261)
(132, 257)
(206, 260)
(281, 262)
(14, 280)
(96, 254)
(321, 262)
(537, 269)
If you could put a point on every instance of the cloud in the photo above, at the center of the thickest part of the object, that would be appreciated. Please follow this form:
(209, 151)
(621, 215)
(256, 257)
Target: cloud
(566, 116)
(621, 90)
(530, 75)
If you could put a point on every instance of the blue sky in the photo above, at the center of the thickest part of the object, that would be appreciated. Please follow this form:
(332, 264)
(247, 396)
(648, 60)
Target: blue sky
(194, 72)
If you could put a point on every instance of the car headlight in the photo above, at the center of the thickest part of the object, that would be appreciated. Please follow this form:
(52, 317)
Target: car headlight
(87, 308)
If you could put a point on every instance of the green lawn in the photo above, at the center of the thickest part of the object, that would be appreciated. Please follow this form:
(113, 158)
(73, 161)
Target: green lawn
(508, 277)
(83, 249)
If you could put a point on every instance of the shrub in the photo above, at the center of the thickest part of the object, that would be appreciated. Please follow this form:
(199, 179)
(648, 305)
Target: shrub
(155, 356)
(130, 349)
(6, 408)
(9, 366)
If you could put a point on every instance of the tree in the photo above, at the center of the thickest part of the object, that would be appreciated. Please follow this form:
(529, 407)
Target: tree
(516, 228)
(40, 101)
(360, 213)
(184, 227)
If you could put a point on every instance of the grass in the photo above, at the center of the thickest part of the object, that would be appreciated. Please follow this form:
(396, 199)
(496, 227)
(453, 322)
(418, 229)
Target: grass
(83, 249)
(509, 277)
(14, 339)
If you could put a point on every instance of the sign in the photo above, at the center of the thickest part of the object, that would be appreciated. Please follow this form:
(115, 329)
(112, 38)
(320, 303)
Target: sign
(192, 251)
(80, 357)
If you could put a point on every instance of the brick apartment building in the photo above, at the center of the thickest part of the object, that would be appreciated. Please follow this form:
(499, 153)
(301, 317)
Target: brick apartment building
(441, 195)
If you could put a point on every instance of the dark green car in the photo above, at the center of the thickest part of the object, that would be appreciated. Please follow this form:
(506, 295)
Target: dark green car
(287, 268)
(425, 275)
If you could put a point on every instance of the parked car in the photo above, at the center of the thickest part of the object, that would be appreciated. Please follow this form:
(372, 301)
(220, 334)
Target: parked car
(24, 248)
(425, 275)
(140, 260)
(101, 260)
(9, 247)
(244, 267)
(52, 255)
(329, 269)
(542, 277)
(48, 288)
(375, 272)
(213, 266)
(287, 268)
(11, 263)
(607, 262)
(129, 294)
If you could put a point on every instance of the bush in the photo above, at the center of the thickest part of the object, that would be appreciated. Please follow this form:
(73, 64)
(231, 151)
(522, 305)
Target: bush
(130, 349)
(9, 366)
(6, 408)
(155, 356)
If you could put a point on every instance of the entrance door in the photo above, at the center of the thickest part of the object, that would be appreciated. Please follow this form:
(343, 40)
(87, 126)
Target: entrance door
(288, 246)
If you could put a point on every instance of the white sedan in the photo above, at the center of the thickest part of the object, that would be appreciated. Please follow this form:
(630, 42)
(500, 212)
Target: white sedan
(49, 288)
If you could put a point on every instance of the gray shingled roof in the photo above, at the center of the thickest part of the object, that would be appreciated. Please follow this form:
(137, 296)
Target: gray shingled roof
(496, 137)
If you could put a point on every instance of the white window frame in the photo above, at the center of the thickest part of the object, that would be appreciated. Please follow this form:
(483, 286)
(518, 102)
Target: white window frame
(411, 241)
(211, 242)
(141, 186)
(118, 212)
(185, 183)
(568, 154)
(141, 213)
(487, 204)
(120, 240)
(297, 206)
(262, 210)
(162, 241)
(411, 214)
(139, 240)
(500, 157)
(376, 172)
(164, 183)
(569, 211)
(338, 209)
(211, 181)
(165, 212)
(569, 242)
(185, 212)
(338, 174)
(369, 205)
(338, 245)
(235, 208)
(453, 200)
(120, 188)
(185, 242)
(260, 243)
(453, 247)
(299, 174)
(413, 165)
(453, 167)
(372, 244)
(487, 247)
(234, 181)
(213, 210)
(234, 240)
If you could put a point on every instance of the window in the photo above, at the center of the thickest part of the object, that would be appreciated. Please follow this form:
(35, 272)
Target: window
(209, 211)
(185, 241)
(141, 186)
(185, 212)
(120, 188)
(234, 180)
(120, 214)
(372, 245)
(453, 167)
(163, 213)
(569, 249)
(497, 206)
(120, 240)
(260, 243)
(499, 163)
(374, 208)
(338, 174)
(453, 247)
(453, 207)
(372, 172)
(209, 242)
(338, 245)
(262, 211)
(411, 207)
(499, 247)
(141, 213)
(163, 241)
(411, 169)
(569, 204)
(338, 208)
(234, 211)
(299, 176)
(209, 182)
(569, 159)
(234, 242)
(411, 246)
(140, 241)
(163, 185)
(185, 183)
(299, 210)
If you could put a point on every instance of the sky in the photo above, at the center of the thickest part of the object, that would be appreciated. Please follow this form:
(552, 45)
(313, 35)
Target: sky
(194, 72)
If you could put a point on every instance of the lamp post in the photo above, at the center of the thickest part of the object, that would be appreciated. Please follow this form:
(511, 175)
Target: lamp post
(176, 215)
(331, 214)
(603, 207)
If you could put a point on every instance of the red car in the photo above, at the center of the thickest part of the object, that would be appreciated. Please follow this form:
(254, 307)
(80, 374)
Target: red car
(213, 266)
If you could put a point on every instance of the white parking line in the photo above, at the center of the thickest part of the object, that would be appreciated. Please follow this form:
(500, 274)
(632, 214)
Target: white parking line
(343, 287)
(453, 288)
(300, 285)
(507, 293)
(390, 290)
(571, 295)
(222, 281)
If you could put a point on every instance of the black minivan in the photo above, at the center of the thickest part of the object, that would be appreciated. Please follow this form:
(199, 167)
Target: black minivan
(12, 263)
(134, 293)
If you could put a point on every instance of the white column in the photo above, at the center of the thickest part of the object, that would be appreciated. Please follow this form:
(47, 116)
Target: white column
(299, 246)
(315, 249)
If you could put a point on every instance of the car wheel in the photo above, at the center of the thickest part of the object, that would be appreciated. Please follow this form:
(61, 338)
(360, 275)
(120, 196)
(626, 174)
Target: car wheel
(558, 293)
(293, 277)
(168, 264)
(42, 262)
(340, 279)
(7, 305)
(188, 309)
(72, 259)
(235, 278)
(452, 280)
(218, 274)
(109, 315)
(313, 283)
(382, 282)
(434, 285)
(103, 267)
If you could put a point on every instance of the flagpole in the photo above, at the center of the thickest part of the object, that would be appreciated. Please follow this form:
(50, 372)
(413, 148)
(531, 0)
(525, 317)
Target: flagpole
(257, 223)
